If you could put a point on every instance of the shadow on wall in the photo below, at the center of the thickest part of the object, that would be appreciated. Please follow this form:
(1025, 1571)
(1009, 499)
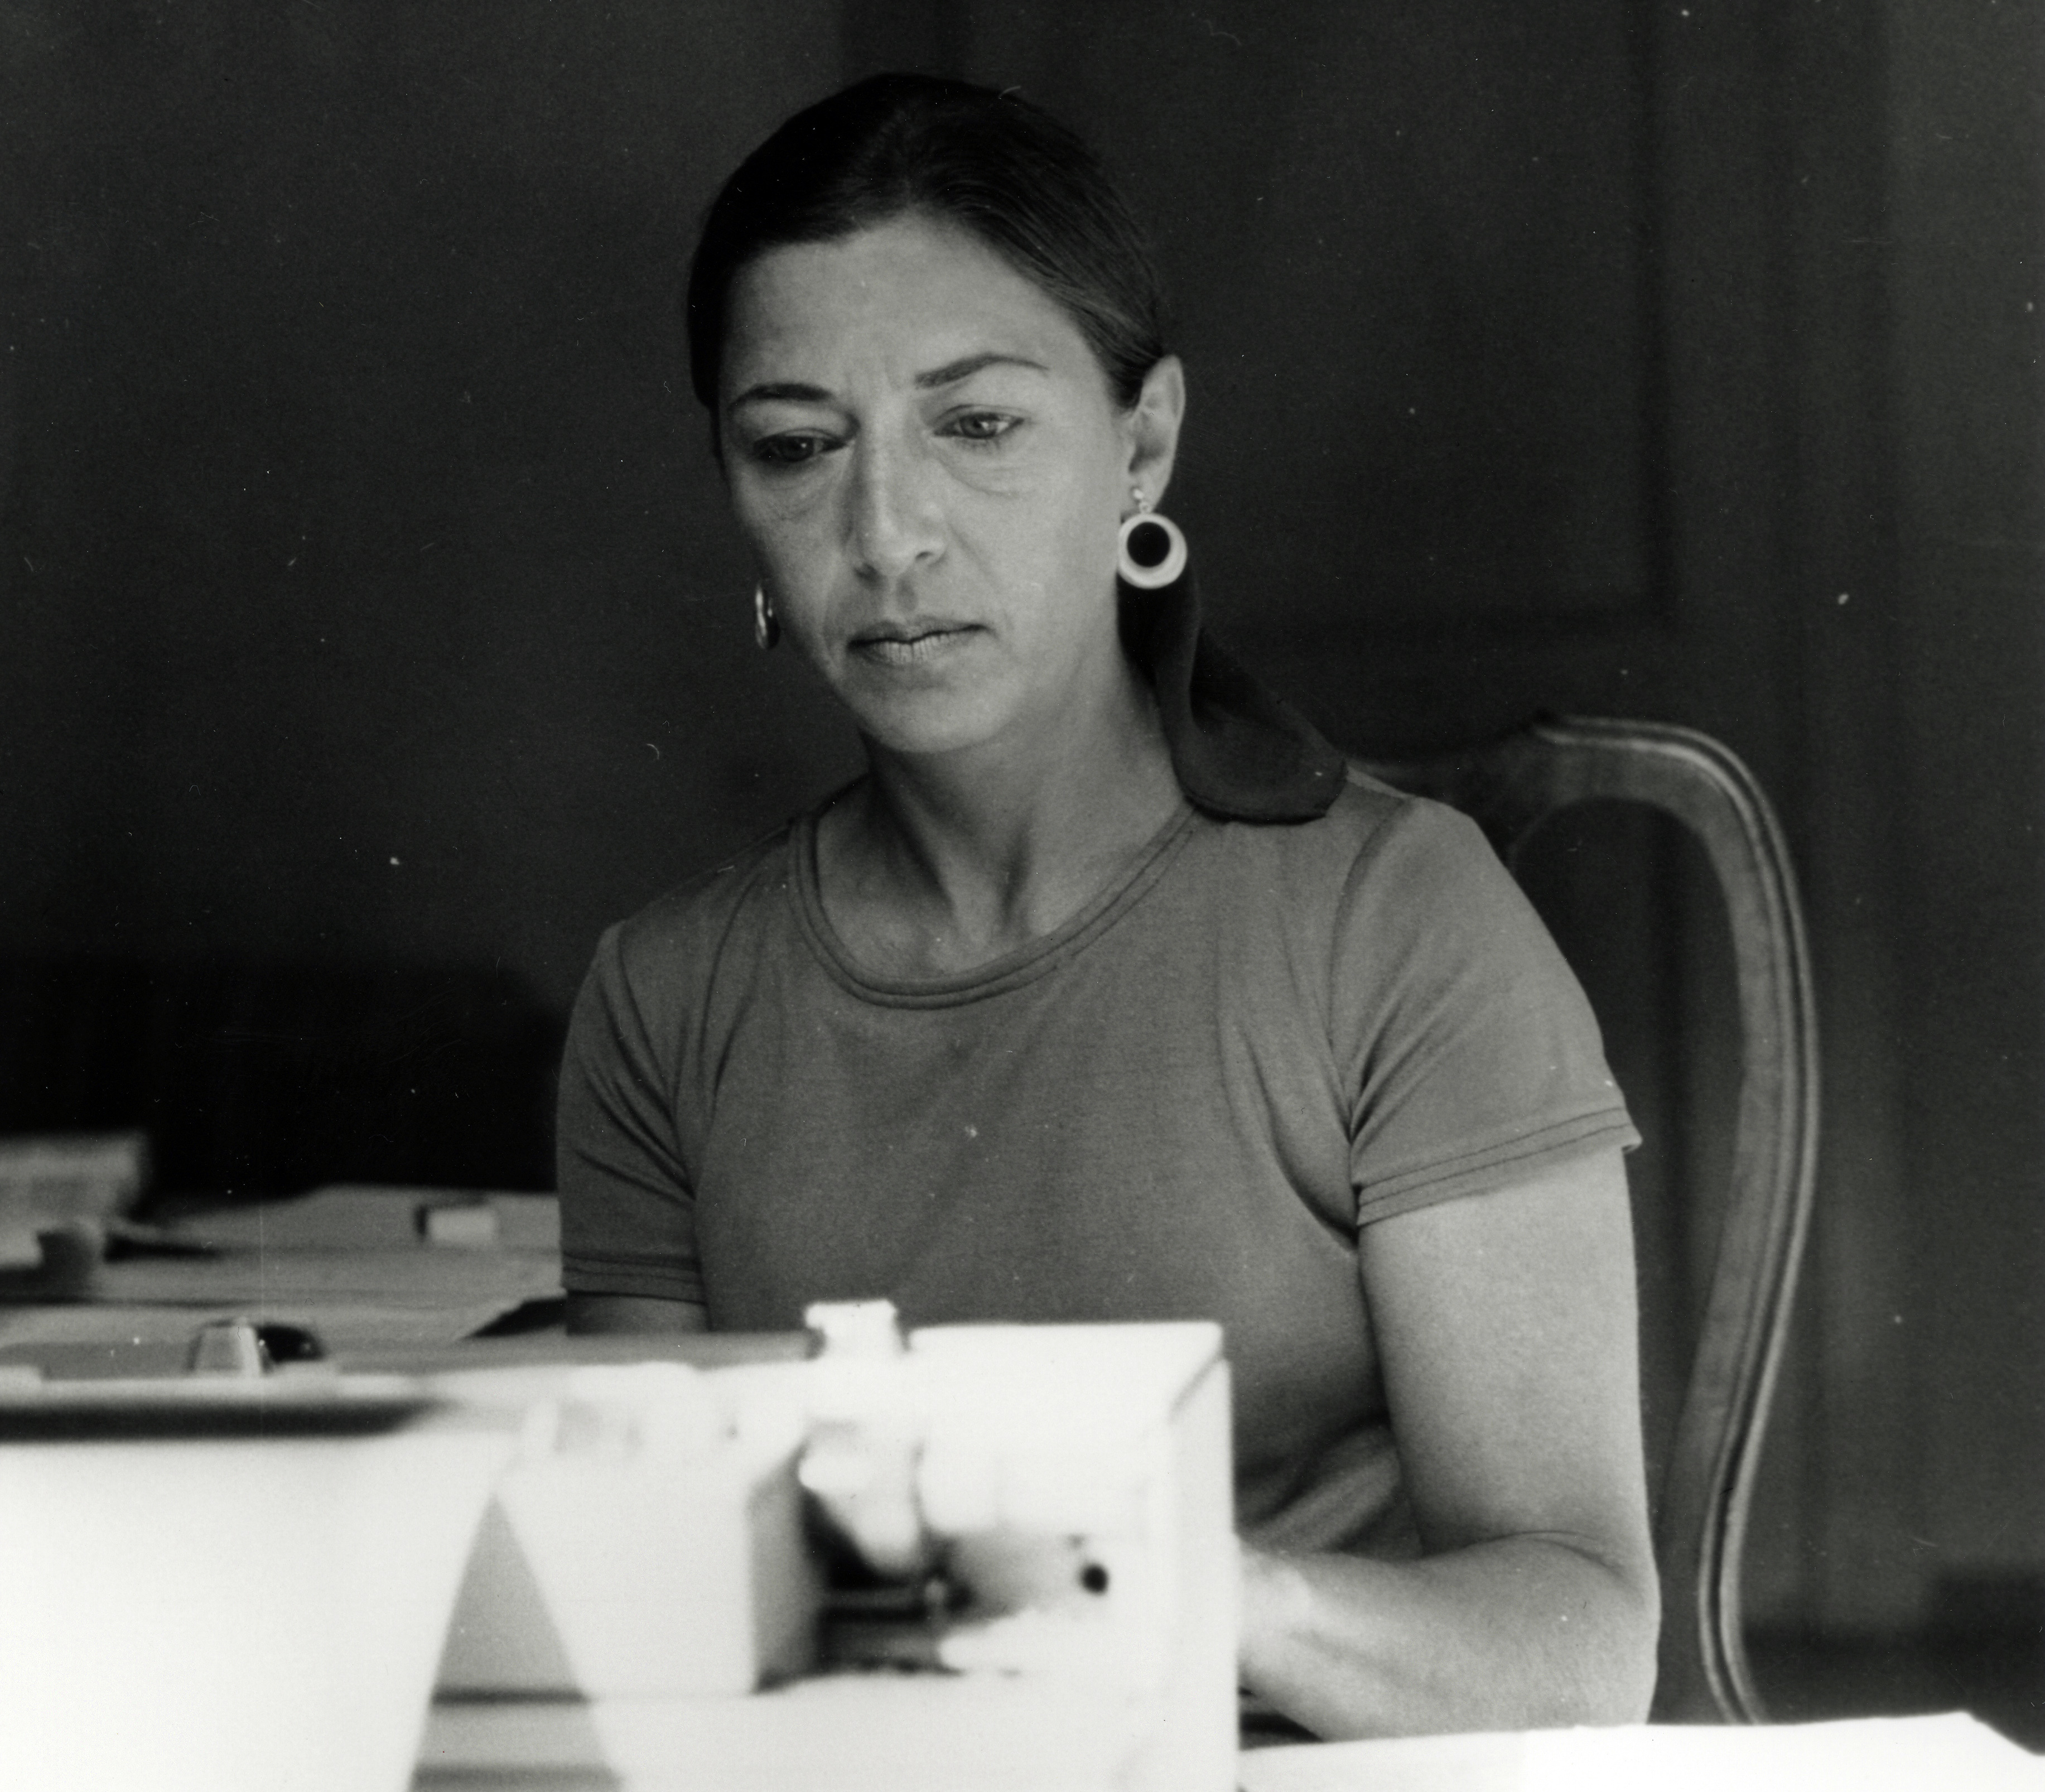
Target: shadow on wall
(367, 590)
(266, 1079)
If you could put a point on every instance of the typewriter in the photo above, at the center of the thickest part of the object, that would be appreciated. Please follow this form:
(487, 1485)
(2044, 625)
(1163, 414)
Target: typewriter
(988, 1557)
(978, 1557)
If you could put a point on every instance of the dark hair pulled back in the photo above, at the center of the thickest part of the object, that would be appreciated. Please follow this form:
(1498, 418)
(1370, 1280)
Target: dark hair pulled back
(990, 163)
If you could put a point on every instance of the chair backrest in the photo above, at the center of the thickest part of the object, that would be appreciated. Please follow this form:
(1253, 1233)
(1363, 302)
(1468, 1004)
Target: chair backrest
(1510, 787)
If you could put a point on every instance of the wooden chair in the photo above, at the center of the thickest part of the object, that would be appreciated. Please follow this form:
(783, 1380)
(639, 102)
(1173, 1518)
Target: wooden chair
(1510, 788)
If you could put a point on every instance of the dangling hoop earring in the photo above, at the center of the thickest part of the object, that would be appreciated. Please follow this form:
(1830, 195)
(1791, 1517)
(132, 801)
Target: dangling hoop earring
(1150, 552)
(766, 625)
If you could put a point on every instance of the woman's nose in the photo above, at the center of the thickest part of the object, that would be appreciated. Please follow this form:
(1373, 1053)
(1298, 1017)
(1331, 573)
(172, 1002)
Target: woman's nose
(896, 520)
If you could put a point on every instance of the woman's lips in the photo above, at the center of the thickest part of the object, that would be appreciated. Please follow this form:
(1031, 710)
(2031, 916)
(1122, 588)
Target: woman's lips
(914, 645)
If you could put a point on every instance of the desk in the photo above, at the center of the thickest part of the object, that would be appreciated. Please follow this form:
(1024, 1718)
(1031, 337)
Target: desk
(352, 1258)
(347, 1264)
(570, 1749)
(1953, 1753)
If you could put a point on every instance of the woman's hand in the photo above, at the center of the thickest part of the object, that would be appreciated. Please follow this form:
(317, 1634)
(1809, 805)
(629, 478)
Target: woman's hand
(1506, 1324)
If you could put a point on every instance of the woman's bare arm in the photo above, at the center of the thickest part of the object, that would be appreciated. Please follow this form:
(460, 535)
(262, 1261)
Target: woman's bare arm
(1506, 1324)
(590, 1314)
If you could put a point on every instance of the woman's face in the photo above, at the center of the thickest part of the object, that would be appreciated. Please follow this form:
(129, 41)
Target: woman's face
(924, 454)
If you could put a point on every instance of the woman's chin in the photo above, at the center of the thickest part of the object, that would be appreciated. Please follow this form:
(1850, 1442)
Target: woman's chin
(926, 737)
(931, 724)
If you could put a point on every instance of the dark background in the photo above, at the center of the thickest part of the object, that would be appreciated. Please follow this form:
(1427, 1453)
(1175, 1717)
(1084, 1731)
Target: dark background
(371, 632)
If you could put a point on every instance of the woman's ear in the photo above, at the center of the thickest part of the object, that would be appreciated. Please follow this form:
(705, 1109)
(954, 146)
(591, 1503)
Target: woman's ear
(1153, 427)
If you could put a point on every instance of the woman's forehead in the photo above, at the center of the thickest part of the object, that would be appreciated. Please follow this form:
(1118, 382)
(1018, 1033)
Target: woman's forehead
(905, 297)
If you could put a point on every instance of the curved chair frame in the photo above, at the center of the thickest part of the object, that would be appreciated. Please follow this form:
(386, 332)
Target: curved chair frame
(1509, 789)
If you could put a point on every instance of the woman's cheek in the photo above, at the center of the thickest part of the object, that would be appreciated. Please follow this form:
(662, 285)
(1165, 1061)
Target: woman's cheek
(768, 500)
(793, 536)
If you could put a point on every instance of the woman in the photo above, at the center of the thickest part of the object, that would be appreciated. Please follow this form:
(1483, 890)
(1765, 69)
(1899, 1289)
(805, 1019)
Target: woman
(1105, 994)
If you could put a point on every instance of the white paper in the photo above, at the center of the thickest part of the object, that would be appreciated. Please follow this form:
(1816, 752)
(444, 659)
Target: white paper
(1949, 1753)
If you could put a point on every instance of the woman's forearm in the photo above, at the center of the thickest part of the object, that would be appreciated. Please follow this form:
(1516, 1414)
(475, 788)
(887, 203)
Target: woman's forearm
(1521, 1633)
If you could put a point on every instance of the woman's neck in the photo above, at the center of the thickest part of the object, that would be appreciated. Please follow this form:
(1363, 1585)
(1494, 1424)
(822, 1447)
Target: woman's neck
(935, 864)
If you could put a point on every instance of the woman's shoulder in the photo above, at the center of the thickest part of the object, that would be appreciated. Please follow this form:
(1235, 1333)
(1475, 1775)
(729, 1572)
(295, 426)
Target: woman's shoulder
(1383, 875)
(1371, 833)
(684, 931)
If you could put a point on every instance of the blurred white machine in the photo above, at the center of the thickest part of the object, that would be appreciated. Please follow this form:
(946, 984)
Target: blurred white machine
(225, 1581)
(994, 1558)
(664, 1592)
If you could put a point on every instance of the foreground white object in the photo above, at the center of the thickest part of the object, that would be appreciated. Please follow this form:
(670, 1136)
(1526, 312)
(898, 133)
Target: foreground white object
(238, 1585)
(1075, 1483)
(646, 1539)
(1952, 1753)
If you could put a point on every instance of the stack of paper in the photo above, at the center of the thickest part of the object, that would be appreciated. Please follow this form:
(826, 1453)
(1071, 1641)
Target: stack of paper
(358, 1267)
(1951, 1753)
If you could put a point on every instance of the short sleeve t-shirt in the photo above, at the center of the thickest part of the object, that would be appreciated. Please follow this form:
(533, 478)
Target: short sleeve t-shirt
(1182, 1103)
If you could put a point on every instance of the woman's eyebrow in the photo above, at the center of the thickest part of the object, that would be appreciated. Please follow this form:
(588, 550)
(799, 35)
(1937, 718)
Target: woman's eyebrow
(798, 391)
(786, 392)
(952, 372)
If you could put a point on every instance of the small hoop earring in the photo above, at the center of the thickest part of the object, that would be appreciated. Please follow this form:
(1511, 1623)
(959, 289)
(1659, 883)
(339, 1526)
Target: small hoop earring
(1150, 552)
(766, 625)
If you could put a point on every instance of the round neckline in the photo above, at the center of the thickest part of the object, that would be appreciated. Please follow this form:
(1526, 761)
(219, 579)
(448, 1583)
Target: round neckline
(1024, 965)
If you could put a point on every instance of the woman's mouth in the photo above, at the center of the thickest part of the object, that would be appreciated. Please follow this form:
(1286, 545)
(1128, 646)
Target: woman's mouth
(914, 644)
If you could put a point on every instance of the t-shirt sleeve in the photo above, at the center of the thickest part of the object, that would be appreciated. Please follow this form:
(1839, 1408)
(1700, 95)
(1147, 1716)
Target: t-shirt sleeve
(628, 1219)
(1471, 1055)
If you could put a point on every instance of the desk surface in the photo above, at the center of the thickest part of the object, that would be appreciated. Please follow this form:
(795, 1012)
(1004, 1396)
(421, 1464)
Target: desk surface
(853, 1741)
(348, 1264)
(1941, 1754)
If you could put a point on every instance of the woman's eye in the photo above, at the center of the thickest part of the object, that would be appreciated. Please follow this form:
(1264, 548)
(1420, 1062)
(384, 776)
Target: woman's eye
(980, 426)
(789, 450)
